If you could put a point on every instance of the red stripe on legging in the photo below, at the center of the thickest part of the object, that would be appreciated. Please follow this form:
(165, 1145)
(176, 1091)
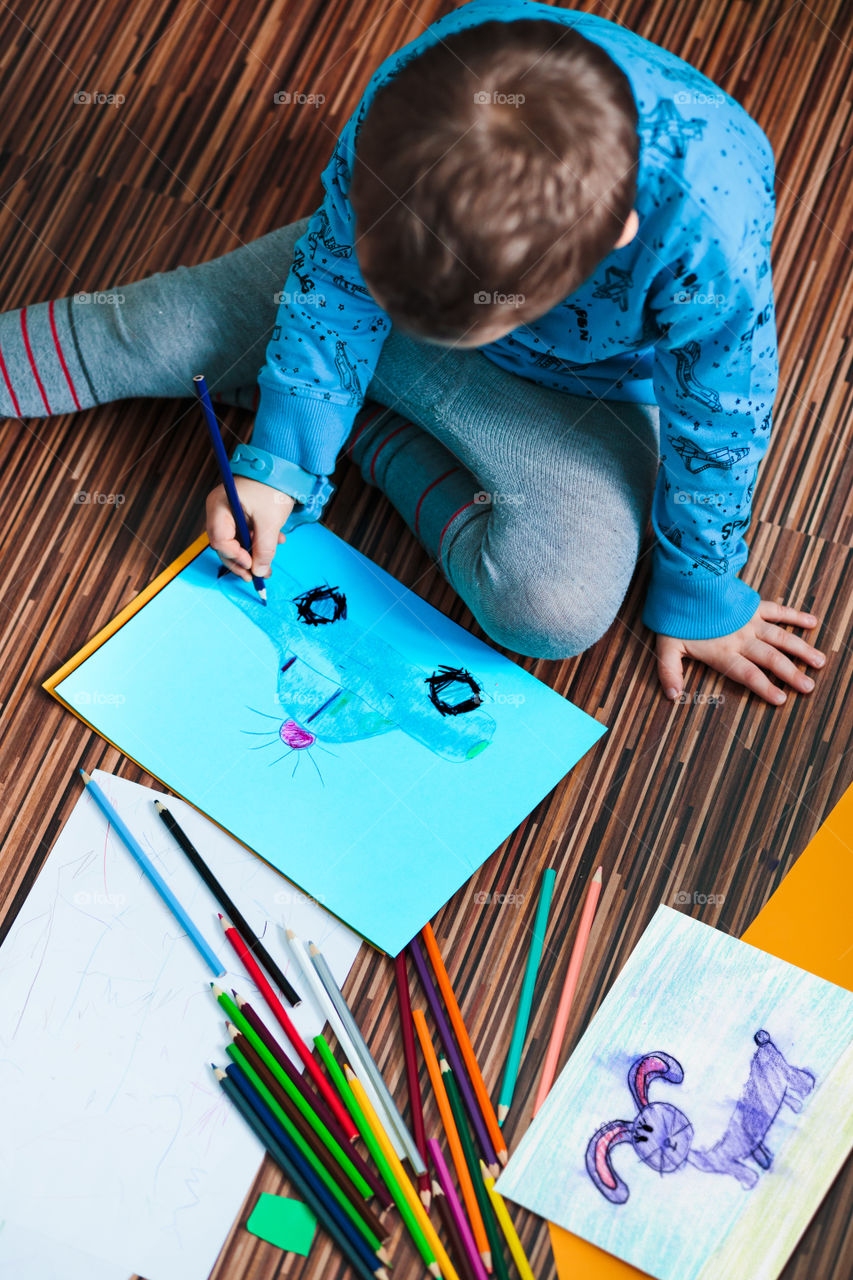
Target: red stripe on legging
(379, 409)
(14, 398)
(424, 494)
(61, 356)
(31, 360)
(390, 436)
(450, 522)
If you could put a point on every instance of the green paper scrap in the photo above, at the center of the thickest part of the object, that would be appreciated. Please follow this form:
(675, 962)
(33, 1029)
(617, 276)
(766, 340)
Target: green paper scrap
(287, 1223)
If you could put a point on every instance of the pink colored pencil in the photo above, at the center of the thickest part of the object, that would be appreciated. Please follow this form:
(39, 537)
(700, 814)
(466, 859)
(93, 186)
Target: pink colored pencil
(573, 973)
(446, 1183)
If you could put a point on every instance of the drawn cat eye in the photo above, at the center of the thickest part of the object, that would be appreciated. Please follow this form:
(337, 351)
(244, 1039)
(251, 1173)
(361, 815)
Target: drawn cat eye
(453, 691)
(321, 605)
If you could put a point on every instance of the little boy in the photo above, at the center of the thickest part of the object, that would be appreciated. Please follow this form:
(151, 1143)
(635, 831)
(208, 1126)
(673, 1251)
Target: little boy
(541, 266)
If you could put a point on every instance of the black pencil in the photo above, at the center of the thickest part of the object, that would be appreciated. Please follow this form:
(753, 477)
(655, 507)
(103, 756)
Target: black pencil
(234, 914)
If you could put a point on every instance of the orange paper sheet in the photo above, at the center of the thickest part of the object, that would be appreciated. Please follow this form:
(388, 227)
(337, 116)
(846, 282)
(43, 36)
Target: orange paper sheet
(807, 923)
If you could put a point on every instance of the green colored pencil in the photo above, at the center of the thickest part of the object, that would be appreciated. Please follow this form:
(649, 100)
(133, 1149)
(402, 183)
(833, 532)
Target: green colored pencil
(298, 1099)
(473, 1162)
(342, 1085)
(293, 1133)
(525, 999)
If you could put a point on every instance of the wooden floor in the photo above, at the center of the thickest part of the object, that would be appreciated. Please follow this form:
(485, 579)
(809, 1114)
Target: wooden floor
(708, 799)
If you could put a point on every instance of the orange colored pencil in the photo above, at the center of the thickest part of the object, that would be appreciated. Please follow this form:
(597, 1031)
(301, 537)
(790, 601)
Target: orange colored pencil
(466, 1185)
(464, 1042)
(572, 974)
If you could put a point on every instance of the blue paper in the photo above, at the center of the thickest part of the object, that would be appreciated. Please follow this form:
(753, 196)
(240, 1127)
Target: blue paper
(365, 745)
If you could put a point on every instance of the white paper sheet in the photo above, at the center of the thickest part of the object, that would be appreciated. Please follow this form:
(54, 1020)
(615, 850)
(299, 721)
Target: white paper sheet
(118, 1143)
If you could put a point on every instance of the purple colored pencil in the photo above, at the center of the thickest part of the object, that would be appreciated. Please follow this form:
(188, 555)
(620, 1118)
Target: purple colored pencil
(446, 1183)
(453, 1056)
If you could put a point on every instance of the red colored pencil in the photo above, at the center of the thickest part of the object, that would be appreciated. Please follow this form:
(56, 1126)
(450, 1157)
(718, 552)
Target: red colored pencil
(415, 1103)
(253, 969)
(322, 1109)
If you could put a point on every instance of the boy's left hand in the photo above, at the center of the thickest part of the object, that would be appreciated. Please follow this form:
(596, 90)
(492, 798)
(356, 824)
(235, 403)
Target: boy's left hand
(745, 655)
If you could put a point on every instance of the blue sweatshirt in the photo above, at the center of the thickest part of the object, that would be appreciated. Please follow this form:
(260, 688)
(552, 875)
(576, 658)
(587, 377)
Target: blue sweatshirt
(682, 316)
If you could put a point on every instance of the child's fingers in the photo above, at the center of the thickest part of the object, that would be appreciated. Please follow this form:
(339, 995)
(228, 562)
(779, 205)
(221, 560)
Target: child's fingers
(221, 533)
(770, 611)
(789, 643)
(265, 539)
(774, 660)
(752, 677)
(670, 671)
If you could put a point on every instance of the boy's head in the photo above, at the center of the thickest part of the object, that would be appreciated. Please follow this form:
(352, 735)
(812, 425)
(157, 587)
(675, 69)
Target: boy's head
(491, 176)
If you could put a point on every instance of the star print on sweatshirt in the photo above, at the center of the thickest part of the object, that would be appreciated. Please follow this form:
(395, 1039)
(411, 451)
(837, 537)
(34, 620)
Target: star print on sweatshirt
(683, 316)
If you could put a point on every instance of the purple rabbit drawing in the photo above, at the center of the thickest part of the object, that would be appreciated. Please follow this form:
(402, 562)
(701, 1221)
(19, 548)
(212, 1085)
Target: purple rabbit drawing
(662, 1136)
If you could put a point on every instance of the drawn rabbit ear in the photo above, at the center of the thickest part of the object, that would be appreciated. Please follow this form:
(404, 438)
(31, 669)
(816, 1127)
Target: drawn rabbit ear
(654, 1066)
(599, 1164)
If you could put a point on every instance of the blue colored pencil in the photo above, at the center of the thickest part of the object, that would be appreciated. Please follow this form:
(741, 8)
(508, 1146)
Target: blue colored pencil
(243, 535)
(288, 1157)
(129, 839)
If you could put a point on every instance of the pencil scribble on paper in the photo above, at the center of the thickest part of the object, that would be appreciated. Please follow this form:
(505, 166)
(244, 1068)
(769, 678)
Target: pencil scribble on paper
(339, 682)
(661, 1135)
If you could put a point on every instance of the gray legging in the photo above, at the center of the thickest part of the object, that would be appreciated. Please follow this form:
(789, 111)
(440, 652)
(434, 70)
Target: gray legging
(533, 501)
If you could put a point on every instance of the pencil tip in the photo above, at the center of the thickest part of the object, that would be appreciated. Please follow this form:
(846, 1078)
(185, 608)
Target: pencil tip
(289, 934)
(487, 1260)
(599, 875)
(503, 1156)
(87, 777)
(426, 1199)
(434, 1270)
(232, 1030)
(348, 1072)
(313, 949)
(503, 1112)
(443, 1063)
(161, 808)
(217, 991)
(493, 1170)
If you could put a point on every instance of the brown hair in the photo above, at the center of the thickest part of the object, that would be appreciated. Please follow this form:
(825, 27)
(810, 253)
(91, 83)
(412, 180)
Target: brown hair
(492, 174)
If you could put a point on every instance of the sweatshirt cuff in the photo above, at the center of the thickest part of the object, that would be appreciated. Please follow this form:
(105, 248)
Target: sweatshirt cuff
(698, 610)
(305, 429)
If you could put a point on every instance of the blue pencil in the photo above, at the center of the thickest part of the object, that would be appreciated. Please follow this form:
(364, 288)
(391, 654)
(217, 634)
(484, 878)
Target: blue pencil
(243, 535)
(288, 1156)
(129, 839)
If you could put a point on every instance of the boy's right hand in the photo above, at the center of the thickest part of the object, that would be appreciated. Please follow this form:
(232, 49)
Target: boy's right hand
(266, 510)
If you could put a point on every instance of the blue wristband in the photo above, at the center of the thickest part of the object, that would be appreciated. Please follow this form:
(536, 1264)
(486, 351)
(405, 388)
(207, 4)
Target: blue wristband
(309, 492)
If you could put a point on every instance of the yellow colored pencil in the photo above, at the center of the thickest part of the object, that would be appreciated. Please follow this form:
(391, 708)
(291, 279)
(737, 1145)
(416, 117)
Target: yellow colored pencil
(448, 1270)
(505, 1222)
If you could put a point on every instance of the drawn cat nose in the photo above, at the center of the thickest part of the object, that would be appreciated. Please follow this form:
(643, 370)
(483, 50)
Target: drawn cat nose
(293, 735)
